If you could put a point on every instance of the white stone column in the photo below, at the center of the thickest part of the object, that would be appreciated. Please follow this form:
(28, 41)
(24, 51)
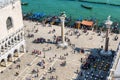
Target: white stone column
(62, 18)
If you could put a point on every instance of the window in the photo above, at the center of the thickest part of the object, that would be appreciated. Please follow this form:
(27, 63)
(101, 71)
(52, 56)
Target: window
(9, 23)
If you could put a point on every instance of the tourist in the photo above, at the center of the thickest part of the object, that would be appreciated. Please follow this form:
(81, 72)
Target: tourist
(18, 60)
(37, 75)
(32, 78)
(74, 51)
(1, 72)
(17, 73)
(37, 70)
(18, 66)
(56, 77)
(43, 66)
(27, 78)
(81, 60)
(77, 71)
(55, 55)
(81, 74)
(50, 48)
(39, 53)
(44, 55)
(50, 60)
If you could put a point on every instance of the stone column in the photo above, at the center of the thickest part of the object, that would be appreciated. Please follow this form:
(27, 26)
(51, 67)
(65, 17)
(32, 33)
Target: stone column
(62, 18)
(108, 24)
(62, 43)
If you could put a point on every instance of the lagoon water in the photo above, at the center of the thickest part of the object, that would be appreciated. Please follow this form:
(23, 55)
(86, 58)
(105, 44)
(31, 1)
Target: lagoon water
(73, 8)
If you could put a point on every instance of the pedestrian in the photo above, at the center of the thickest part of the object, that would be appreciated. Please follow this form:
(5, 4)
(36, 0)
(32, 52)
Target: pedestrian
(44, 55)
(56, 77)
(77, 71)
(1, 72)
(19, 66)
(81, 74)
(43, 67)
(50, 69)
(50, 48)
(37, 70)
(74, 51)
(19, 60)
(43, 61)
(40, 53)
(81, 60)
(55, 55)
(32, 78)
(37, 75)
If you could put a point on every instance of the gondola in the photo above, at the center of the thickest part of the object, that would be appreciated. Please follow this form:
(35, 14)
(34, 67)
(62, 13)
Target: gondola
(85, 6)
(24, 3)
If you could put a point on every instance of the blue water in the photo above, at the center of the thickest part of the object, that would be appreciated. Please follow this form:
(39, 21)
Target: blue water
(73, 8)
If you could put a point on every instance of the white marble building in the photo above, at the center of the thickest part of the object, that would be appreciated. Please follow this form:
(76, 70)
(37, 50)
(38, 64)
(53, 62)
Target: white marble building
(117, 66)
(115, 70)
(12, 43)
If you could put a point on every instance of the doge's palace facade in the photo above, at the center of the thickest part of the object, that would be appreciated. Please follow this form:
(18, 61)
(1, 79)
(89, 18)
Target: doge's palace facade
(12, 43)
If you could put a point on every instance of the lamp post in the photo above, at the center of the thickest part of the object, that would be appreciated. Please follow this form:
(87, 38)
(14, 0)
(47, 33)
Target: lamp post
(62, 18)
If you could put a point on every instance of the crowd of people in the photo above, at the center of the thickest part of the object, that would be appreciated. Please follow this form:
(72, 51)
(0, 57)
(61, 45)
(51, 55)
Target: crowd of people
(96, 66)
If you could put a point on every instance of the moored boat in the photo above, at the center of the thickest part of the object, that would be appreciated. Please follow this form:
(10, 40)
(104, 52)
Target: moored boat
(24, 3)
(86, 6)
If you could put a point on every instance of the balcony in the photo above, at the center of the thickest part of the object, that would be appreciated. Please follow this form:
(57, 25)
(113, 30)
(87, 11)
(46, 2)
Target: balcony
(9, 47)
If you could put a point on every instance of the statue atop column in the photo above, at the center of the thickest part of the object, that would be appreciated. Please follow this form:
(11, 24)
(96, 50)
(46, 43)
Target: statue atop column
(63, 14)
(62, 18)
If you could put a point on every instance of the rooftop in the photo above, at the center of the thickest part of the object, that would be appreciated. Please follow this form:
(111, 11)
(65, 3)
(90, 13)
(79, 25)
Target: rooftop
(4, 3)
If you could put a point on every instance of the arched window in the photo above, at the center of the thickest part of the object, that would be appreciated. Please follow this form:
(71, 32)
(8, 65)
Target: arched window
(18, 37)
(9, 23)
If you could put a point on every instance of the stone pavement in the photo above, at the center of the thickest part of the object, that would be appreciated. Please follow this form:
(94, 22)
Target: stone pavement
(62, 72)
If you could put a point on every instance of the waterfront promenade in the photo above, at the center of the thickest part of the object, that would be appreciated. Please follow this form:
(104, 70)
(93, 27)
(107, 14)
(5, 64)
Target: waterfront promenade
(51, 56)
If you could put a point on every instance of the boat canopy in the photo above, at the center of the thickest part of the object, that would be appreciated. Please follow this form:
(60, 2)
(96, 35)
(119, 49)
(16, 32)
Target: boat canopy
(87, 23)
(37, 15)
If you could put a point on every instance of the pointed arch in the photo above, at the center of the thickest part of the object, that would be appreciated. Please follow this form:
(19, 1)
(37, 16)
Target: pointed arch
(12, 41)
(6, 45)
(18, 37)
(9, 43)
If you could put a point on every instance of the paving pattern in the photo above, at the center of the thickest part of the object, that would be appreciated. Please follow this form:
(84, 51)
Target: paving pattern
(29, 61)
